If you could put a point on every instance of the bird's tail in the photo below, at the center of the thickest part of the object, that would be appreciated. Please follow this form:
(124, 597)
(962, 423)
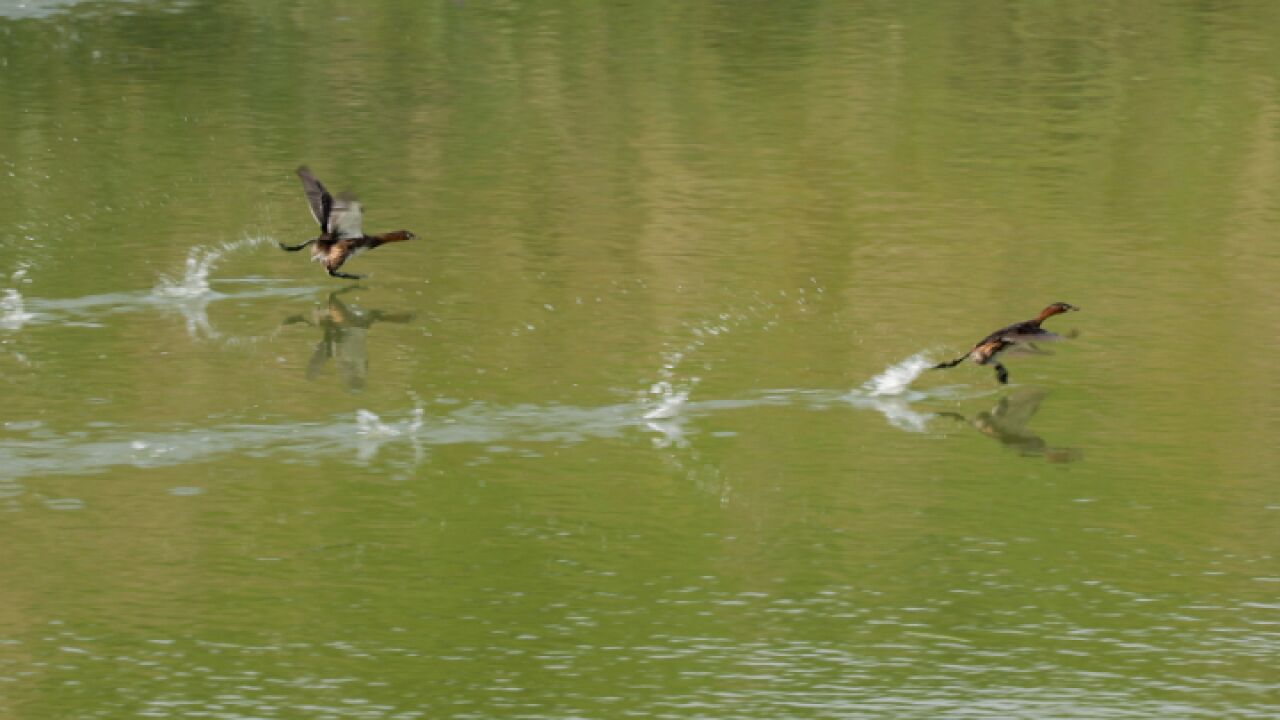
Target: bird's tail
(295, 248)
(951, 363)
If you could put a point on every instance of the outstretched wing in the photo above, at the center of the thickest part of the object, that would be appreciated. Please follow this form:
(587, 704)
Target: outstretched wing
(1027, 332)
(345, 217)
(1010, 334)
(318, 197)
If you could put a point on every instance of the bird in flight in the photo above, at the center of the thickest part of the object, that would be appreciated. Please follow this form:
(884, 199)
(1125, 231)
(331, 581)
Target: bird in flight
(1027, 332)
(341, 237)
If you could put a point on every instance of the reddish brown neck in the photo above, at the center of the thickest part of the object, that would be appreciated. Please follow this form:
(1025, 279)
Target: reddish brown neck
(1048, 312)
(396, 236)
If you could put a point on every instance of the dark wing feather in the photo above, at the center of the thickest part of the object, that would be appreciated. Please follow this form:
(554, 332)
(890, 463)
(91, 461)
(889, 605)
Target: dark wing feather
(1027, 332)
(1013, 333)
(995, 343)
(318, 197)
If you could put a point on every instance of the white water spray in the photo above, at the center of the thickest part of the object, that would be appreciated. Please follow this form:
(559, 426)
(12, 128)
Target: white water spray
(200, 262)
(890, 394)
(896, 378)
(12, 313)
(667, 401)
(372, 432)
(369, 423)
(670, 394)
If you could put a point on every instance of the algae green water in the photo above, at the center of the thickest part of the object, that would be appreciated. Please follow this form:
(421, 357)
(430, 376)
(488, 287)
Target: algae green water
(640, 425)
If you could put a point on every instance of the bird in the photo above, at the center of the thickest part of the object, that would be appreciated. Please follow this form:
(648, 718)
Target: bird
(1027, 332)
(341, 237)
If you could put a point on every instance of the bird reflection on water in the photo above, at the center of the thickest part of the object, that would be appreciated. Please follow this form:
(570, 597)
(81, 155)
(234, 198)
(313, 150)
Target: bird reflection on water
(1007, 422)
(344, 329)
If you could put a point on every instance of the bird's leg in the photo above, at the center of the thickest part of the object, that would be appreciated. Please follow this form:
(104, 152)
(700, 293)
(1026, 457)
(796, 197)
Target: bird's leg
(339, 274)
(1002, 374)
(295, 248)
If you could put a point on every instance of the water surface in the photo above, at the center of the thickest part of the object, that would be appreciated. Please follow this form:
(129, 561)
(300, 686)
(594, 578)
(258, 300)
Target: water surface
(641, 425)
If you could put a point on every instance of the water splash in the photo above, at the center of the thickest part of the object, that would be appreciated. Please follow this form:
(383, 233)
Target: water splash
(667, 400)
(664, 416)
(368, 423)
(890, 394)
(416, 420)
(200, 262)
(189, 294)
(897, 378)
(13, 314)
(670, 394)
(372, 432)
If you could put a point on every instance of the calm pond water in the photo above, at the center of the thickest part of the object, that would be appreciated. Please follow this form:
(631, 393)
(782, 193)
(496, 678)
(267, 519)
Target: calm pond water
(640, 425)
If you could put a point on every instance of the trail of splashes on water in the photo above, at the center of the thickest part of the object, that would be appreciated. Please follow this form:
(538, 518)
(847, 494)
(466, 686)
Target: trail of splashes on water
(200, 262)
(189, 294)
(43, 452)
(31, 449)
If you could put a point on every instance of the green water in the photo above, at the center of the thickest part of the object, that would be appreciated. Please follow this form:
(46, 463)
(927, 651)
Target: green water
(638, 426)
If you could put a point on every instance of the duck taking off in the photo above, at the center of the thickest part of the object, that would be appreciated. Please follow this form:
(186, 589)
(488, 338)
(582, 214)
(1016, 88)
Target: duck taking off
(340, 236)
(1027, 332)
